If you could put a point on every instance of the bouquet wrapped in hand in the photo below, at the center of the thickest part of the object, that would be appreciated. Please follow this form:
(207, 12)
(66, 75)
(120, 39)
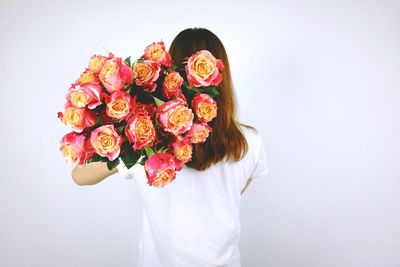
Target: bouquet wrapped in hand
(145, 112)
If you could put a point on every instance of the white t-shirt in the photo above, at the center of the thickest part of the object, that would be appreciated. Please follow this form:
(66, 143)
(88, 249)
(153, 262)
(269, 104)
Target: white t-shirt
(194, 220)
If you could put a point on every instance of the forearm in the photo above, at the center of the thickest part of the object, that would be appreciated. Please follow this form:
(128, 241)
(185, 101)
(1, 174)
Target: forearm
(91, 173)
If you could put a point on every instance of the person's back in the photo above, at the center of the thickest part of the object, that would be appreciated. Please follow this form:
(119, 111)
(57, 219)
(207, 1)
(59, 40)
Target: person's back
(194, 221)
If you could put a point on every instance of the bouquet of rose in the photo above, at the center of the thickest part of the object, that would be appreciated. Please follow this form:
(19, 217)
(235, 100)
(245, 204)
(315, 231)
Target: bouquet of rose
(145, 112)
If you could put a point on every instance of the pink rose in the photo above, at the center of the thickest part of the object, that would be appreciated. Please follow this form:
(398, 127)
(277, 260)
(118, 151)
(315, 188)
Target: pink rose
(76, 149)
(160, 169)
(140, 130)
(205, 107)
(146, 73)
(198, 133)
(202, 69)
(157, 53)
(182, 150)
(77, 118)
(115, 74)
(175, 117)
(106, 141)
(172, 84)
(119, 105)
(85, 94)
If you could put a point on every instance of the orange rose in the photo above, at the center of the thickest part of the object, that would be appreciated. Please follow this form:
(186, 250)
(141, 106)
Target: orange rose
(205, 107)
(156, 52)
(140, 130)
(119, 105)
(146, 73)
(115, 74)
(96, 63)
(198, 133)
(172, 84)
(85, 94)
(175, 117)
(182, 150)
(202, 69)
(106, 141)
(77, 118)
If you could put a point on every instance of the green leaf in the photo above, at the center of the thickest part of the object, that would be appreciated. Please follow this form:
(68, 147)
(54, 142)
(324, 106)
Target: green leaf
(128, 60)
(156, 123)
(129, 89)
(95, 158)
(129, 161)
(194, 90)
(121, 129)
(158, 101)
(112, 164)
(162, 150)
(130, 156)
(140, 60)
(211, 90)
(149, 151)
(142, 161)
(92, 160)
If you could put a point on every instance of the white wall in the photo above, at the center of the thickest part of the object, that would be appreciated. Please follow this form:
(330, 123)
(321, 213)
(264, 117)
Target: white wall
(319, 79)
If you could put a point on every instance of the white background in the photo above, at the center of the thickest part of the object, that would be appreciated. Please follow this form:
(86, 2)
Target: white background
(319, 79)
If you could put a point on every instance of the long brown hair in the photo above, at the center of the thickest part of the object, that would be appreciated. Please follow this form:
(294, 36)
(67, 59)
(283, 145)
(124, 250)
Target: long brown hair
(226, 139)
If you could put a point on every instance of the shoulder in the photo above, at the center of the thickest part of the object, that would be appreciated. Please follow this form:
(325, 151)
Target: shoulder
(256, 160)
(250, 133)
(253, 139)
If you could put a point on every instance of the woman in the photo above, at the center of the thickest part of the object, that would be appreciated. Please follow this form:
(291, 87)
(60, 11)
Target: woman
(194, 220)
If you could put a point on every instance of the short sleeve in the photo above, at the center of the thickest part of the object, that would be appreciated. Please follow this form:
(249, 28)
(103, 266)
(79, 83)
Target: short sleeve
(261, 166)
(124, 171)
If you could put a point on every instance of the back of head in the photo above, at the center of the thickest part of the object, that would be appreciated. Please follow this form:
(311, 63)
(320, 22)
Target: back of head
(226, 139)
